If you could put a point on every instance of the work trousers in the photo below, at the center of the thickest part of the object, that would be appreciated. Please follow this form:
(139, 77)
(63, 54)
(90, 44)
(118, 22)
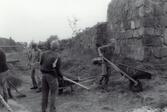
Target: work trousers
(49, 85)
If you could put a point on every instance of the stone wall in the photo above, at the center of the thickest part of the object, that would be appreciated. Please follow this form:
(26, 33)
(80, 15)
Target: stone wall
(140, 28)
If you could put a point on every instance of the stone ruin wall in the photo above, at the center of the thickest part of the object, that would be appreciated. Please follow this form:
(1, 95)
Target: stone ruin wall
(83, 42)
(9, 42)
(140, 29)
(90, 39)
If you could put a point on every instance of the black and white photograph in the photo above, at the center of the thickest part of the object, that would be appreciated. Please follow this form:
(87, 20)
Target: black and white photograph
(83, 55)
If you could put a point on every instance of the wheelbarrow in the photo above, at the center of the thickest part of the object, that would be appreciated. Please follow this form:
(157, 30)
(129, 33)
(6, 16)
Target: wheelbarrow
(134, 77)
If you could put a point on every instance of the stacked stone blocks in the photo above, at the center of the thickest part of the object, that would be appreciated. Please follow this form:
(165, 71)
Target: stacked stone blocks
(140, 28)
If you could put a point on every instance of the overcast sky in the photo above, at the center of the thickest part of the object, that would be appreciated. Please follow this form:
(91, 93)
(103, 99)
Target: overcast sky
(26, 20)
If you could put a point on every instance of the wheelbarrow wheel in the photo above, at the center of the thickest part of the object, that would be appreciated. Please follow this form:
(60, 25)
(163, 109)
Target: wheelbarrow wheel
(135, 88)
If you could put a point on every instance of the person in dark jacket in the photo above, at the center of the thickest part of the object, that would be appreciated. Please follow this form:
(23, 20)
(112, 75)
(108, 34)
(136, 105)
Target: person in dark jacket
(50, 67)
(3, 75)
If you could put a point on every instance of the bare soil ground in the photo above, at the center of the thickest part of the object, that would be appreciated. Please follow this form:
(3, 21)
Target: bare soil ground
(116, 98)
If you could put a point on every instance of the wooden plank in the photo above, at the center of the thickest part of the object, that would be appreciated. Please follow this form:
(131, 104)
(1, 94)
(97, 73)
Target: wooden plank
(65, 78)
(13, 61)
(5, 104)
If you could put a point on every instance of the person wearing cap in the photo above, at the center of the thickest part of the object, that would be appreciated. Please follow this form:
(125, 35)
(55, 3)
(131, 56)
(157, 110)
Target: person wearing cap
(35, 58)
(50, 67)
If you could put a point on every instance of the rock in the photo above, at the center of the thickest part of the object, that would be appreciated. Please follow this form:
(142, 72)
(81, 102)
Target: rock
(141, 11)
(139, 3)
(128, 34)
(132, 24)
(160, 52)
(152, 41)
(149, 31)
(141, 31)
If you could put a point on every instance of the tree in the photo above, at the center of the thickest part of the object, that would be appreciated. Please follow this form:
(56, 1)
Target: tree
(73, 25)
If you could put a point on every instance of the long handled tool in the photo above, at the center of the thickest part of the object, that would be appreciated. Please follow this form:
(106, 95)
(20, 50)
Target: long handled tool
(65, 78)
(119, 70)
(113, 65)
(5, 104)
